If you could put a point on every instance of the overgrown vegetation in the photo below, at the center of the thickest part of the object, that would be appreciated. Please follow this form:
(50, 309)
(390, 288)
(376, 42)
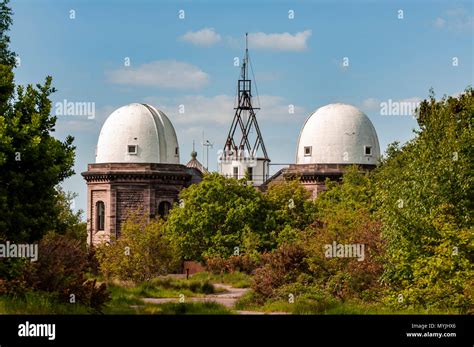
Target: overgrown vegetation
(424, 196)
(141, 253)
(412, 215)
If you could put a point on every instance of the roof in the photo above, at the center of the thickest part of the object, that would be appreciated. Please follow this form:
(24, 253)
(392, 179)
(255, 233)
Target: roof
(137, 133)
(194, 163)
(338, 134)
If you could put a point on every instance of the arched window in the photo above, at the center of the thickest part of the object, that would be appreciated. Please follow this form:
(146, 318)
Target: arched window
(164, 208)
(100, 215)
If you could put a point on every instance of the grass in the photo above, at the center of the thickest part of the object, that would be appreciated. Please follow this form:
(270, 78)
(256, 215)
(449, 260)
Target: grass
(194, 308)
(127, 297)
(38, 303)
(235, 279)
(247, 302)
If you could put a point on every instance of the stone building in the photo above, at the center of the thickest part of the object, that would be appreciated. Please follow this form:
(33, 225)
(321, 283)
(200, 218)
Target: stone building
(137, 169)
(332, 138)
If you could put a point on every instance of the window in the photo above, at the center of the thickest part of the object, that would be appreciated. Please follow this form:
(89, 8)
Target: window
(132, 149)
(100, 215)
(176, 151)
(368, 150)
(307, 151)
(250, 173)
(164, 208)
(236, 172)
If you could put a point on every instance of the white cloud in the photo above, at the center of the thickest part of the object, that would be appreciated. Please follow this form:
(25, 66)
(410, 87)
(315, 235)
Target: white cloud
(219, 110)
(205, 37)
(280, 41)
(278, 109)
(169, 74)
(456, 19)
(413, 99)
(439, 22)
(370, 104)
(79, 124)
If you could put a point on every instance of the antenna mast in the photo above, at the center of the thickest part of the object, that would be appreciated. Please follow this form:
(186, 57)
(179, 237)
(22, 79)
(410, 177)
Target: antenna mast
(243, 143)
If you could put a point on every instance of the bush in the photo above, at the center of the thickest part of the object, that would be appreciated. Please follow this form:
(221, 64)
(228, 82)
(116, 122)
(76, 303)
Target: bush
(141, 253)
(242, 263)
(59, 271)
(347, 277)
(282, 266)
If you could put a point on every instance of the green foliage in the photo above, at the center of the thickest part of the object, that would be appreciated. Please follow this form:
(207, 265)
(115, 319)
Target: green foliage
(347, 277)
(69, 223)
(341, 214)
(353, 193)
(140, 253)
(62, 263)
(292, 210)
(7, 57)
(32, 162)
(219, 214)
(58, 274)
(281, 267)
(424, 193)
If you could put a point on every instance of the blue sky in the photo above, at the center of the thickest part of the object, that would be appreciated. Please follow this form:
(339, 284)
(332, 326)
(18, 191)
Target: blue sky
(190, 62)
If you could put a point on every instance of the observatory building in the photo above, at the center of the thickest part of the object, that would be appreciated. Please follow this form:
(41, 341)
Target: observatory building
(333, 137)
(136, 169)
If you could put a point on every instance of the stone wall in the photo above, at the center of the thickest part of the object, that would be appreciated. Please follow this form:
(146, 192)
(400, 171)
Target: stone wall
(130, 187)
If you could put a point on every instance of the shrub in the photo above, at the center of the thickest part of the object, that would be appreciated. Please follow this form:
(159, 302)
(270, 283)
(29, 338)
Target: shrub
(141, 253)
(242, 263)
(60, 270)
(281, 267)
(347, 277)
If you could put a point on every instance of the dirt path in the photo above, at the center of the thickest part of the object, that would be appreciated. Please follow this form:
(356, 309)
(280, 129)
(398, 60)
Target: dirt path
(228, 299)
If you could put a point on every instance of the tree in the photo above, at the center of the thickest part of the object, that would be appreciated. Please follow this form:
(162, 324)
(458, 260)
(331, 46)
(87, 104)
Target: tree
(424, 196)
(219, 217)
(32, 161)
(69, 222)
(292, 209)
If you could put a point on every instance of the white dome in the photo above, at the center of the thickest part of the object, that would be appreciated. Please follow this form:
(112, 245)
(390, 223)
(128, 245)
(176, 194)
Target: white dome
(338, 134)
(137, 133)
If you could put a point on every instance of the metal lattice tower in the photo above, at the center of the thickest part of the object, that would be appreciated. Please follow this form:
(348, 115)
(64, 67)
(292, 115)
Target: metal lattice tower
(245, 138)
